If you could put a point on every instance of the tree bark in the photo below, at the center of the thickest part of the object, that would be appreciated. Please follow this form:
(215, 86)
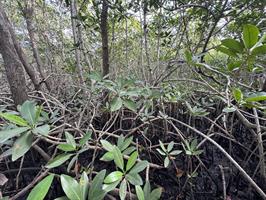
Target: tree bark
(104, 35)
(12, 63)
(73, 9)
(28, 12)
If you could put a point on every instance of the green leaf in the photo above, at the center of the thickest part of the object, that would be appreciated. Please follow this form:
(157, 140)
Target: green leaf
(66, 147)
(116, 104)
(43, 130)
(108, 156)
(134, 178)
(166, 161)
(156, 194)
(147, 190)
(58, 160)
(132, 160)
(161, 152)
(107, 145)
(233, 45)
(70, 139)
(140, 193)
(84, 184)
(126, 143)
(129, 150)
(72, 162)
(162, 146)
(10, 133)
(170, 146)
(140, 166)
(14, 119)
(233, 65)
(255, 97)
(118, 158)
(96, 192)
(238, 95)
(250, 35)
(188, 56)
(85, 138)
(71, 187)
(113, 177)
(41, 189)
(260, 50)
(131, 105)
(226, 51)
(175, 152)
(22, 145)
(123, 190)
(28, 112)
(111, 186)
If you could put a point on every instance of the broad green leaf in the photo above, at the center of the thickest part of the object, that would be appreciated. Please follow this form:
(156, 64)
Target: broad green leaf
(194, 144)
(126, 143)
(233, 45)
(72, 162)
(140, 166)
(166, 161)
(22, 145)
(162, 146)
(70, 139)
(111, 186)
(129, 150)
(66, 147)
(175, 152)
(58, 160)
(131, 105)
(226, 51)
(147, 190)
(250, 35)
(123, 190)
(132, 160)
(188, 56)
(10, 133)
(28, 112)
(113, 177)
(118, 158)
(116, 104)
(234, 65)
(108, 156)
(260, 50)
(41, 189)
(156, 194)
(259, 96)
(140, 193)
(161, 152)
(170, 146)
(107, 145)
(85, 138)
(43, 130)
(120, 141)
(96, 192)
(134, 178)
(84, 185)
(71, 187)
(238, 95)
(14, 119)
